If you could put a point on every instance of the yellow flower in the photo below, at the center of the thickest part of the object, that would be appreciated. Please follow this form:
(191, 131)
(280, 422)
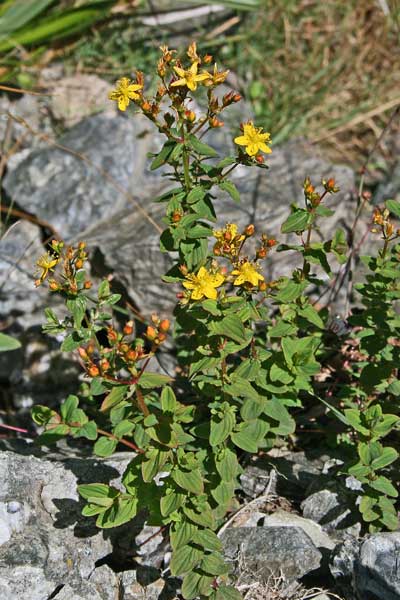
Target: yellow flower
(125, 92)
(228, 240)
(253, 139)
(203, 284)
(216, 77)
(228, 233)
(247, 272)
(46, 263)
(190, 77)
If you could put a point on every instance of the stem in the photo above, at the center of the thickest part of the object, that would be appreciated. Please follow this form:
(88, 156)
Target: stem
(121, 441)
(385, 247)
(141, 403)
(185, 157)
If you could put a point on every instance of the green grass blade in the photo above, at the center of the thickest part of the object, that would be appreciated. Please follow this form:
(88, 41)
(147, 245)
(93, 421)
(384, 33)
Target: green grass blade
(56, 26)
(20, 12)
(235, 4)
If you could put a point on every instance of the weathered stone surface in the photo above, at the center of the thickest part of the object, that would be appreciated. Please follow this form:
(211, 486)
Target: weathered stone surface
(275, 550)
(293, 473)
(76, 97)
(71, 194)
(333, 509)
(285, 519)
(377, 570)
(45, 542)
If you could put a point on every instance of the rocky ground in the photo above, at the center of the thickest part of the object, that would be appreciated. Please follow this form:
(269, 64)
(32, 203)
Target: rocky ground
(84, 176)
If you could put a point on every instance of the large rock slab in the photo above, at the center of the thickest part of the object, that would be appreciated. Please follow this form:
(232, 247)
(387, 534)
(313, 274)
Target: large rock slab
(377, 570)
(47, 549)
(276, 550)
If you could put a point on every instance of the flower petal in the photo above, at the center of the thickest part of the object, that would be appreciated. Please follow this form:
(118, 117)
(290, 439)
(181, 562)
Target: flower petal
(123, 102)
(241, 140)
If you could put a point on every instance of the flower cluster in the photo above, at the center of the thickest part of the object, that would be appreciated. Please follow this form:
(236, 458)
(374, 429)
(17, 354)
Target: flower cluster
(177, 81)
(386, 227)
(72, 259)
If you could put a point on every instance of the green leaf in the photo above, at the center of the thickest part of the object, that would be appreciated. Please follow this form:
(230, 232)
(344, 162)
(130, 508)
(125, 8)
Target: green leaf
(240, 387)
(71, 342)
(105, 446)
(88, 431)
(230, 326)
(282, 329)
(77, 307)
(384, 486)
(276, 373)
(191, 481)
(122, 511)
(43, 414)
(153, 380)
(227, 465)
(208, 540)
(204, 518)
(163, 155)
(171, 502)
(181, 533)
(388, 456)
(221, 429)
(214, 564)
(310, 314)
(94, 490)
(394, 207)
(250, 435)
(227, 592)
(231, 189)
(190, 585)
(156, 459)
(168, 400)
(297, 221)
(290, 291)
(8, 343)
(277, 411)
(184, 559)
(195, 194)
(201, 148)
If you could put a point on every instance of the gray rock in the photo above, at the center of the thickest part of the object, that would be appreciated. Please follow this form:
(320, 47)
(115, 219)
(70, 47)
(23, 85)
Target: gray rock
(377, 570)
(333, 509)
(343, 561)
(293, 474)
(266, 551)
(71, 194)
(282, 518)
(46, 546)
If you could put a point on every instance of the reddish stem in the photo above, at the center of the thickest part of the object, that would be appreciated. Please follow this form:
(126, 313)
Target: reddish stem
(121, 441)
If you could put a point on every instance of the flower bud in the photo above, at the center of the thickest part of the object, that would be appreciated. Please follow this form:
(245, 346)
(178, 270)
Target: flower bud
(190, 116)
(260, 159)
(214, 122)
(161, 337)
(82, 245)
(79, 263)
(131, 356)
(124, 348)
(164, 325)
(93, 371)
(112, 336)
(87, 285)
(249, 230)
(128, 328)
(151, 333)
(53, 286)
(262, 286)
(271, 243)
(183, 269)
(207, 59)
(104, 364)
(146, 106)
(261, 253)
(82, 353)
(176, 216)
(237, 97)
